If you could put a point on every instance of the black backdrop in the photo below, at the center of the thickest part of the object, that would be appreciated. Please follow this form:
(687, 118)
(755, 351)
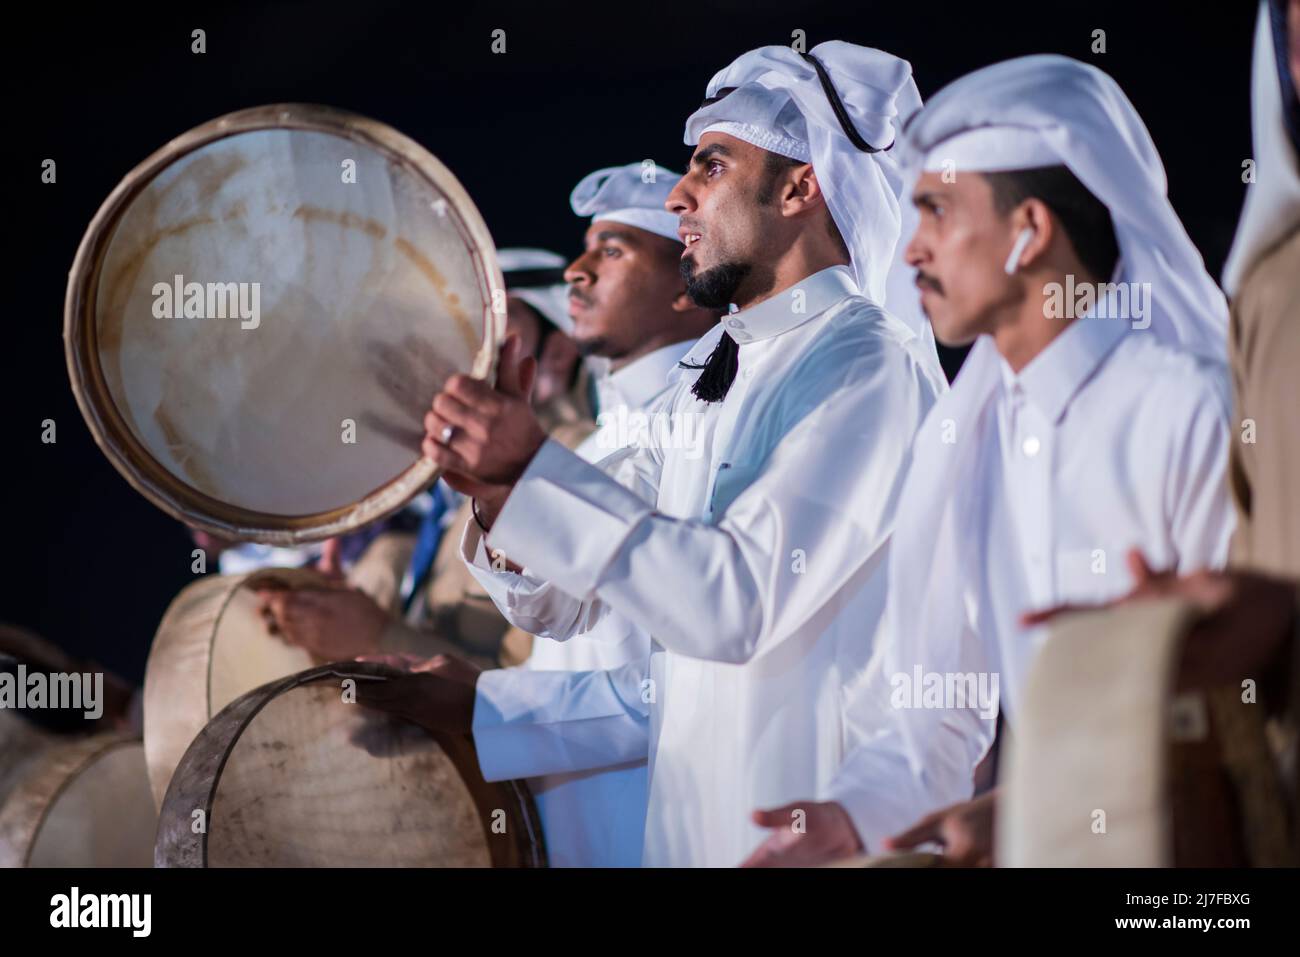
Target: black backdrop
(88, 562)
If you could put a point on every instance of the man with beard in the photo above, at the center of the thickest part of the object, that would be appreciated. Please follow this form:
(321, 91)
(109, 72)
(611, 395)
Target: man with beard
(756, 563)
(628, 306)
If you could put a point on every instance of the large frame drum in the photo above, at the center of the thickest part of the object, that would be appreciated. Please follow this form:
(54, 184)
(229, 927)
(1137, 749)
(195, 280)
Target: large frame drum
(261, 312)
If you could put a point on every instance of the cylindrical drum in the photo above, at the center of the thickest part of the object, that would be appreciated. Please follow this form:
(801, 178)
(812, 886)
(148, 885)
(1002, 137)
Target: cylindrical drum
(211, 647)
(22, 739)
(84, 802)
(72, 793)
(297, 774)
(1088, 771)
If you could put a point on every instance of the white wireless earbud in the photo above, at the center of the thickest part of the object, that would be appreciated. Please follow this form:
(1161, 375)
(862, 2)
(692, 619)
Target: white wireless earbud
(1013, 261)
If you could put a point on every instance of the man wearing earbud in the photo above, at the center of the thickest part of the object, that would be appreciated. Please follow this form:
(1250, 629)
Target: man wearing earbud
(1090, 417)
(751, 548)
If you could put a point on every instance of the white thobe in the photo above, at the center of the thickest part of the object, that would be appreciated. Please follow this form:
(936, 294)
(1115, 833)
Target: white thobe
(755, 559)
(591, 818)
(1105, 441)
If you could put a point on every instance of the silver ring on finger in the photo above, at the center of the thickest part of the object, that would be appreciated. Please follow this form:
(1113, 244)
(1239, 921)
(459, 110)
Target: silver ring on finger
(447, 432)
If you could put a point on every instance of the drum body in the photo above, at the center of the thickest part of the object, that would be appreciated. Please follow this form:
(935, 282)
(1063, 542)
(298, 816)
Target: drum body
(211, 647)
(1109, 767)
(261, 312)
(23, 740)
(296, 774)
(83, 802)
(76, 797)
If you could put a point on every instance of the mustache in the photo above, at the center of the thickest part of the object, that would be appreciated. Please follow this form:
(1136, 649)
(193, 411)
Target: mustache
(578, 295)
(926, 281)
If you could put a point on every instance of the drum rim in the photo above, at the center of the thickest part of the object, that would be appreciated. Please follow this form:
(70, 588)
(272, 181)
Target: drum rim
(175, 846)
(107, 426)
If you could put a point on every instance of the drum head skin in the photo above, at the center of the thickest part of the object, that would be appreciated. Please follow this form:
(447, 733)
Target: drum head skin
(83, 803)
(211, 647)
(1087, 771)
(261, 313)
(294, 774)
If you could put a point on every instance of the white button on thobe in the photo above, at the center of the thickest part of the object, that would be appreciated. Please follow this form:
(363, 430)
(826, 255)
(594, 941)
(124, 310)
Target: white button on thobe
(756, 563)
(1105, 441)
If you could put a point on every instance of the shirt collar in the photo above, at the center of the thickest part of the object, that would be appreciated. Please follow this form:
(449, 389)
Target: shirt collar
(1054, 377)
(640, 380)
(787, 310)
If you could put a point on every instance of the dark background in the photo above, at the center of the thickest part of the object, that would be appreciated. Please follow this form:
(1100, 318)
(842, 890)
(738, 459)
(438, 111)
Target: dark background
(92, 565)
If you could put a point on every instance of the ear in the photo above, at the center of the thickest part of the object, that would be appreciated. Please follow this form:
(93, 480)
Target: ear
(1034, 214)
(802, 192)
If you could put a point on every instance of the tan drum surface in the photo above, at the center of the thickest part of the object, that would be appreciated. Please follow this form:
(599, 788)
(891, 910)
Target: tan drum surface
(293, 775)
(77, 797)
(1094, 736)
(83, 802)
(21, 740)
(211, 647)
(369, 294)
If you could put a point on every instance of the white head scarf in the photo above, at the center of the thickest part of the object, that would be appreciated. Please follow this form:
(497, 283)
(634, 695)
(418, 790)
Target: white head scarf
(526, 274)
(633, 194)
(1272, 207)
(1025, 113)
(780, 102)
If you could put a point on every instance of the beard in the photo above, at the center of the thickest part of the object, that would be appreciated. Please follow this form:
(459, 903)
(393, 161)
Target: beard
(593, 346)
(714, 288)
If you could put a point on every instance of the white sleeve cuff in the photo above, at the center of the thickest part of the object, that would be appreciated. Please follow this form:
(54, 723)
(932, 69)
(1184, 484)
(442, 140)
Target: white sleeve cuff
(529, 723)
(565, 520)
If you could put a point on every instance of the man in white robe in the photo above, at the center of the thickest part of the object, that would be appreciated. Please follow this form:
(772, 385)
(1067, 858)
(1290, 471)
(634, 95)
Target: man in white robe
(629, 307)
(1088, 419)
(755, 559)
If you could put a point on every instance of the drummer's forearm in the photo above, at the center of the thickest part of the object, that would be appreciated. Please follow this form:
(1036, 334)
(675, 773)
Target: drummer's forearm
(529, 723)
(488, 506)
(537, 606)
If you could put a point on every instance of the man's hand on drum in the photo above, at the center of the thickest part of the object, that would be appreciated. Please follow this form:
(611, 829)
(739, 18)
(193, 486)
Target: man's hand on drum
(1246, 624)
(484, 436)
(964, 830)
(805, 834)
(332, 624)
(436, 693)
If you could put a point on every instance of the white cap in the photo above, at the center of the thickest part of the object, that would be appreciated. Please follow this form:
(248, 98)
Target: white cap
(633, 194)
